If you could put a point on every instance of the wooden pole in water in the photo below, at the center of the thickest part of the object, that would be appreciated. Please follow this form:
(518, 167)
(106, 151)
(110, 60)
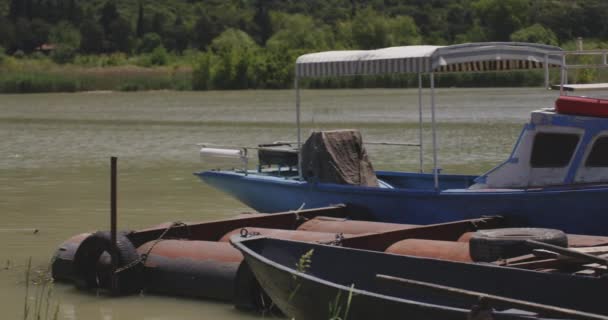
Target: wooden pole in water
(113, 187)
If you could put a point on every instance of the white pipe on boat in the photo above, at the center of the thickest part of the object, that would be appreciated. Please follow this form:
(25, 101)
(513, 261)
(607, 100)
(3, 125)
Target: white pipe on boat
(225, 156)
(420, 122)
(222, 153)
(435, 170)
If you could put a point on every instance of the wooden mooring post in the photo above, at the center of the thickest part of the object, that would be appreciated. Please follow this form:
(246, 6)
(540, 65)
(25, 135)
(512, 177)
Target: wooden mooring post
(113, 210)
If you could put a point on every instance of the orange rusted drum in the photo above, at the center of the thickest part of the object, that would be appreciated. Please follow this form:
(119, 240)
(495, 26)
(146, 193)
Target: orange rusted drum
(297, 235)
(444, 250)
(465, 237)
(336, 225)
(205, 269)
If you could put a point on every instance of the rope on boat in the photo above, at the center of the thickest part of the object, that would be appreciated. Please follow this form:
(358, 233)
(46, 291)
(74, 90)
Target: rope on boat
(142, 259)
(297, 213)
(336, 242)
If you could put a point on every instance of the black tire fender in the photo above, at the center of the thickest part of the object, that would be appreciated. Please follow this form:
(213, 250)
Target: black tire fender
(93, 265)
(494, 244)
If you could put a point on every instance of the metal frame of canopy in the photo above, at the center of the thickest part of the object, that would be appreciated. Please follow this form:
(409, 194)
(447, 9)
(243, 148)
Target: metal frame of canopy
(563, 86)
(470, 57)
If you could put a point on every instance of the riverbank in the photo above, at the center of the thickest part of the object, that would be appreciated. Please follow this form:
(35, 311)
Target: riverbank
(205, 71)
(71, 78)
(41, 75)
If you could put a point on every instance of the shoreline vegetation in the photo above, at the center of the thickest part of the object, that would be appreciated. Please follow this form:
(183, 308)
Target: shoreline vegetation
(42, 75)
(133, 45)
(61, 78)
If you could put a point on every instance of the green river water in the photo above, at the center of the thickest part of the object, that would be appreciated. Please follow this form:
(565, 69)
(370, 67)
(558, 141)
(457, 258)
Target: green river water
(55, 150)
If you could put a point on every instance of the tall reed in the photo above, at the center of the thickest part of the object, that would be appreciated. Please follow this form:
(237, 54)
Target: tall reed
(335, 307)
(40, 307)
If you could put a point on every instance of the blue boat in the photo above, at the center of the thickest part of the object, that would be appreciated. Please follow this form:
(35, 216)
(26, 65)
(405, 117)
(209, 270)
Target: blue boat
(556, 176)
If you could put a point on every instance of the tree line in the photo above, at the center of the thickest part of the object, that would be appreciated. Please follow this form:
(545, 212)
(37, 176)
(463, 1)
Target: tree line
(253, 43)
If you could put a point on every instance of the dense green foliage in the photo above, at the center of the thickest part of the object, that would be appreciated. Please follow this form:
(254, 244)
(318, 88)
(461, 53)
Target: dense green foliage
(253, 43)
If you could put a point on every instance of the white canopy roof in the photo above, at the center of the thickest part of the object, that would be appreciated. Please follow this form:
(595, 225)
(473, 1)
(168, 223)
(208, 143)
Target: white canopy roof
(469, 57)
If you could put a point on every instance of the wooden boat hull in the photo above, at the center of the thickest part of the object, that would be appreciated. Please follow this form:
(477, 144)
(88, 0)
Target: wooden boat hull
(307, 299)
(578, 210)
(332, 270)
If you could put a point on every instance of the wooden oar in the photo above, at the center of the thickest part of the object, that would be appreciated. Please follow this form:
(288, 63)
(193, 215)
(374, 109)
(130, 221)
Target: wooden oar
(519, 304)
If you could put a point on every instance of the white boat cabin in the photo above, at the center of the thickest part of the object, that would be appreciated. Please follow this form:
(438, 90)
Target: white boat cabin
(560, 146)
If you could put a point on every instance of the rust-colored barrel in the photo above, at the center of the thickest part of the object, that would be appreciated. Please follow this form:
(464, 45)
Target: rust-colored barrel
(445, 250)
(465, 237)
(336, 225)
(297, 235)
(202, 269)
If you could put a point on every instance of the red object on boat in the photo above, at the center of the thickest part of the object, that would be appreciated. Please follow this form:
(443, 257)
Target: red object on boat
(582, 106)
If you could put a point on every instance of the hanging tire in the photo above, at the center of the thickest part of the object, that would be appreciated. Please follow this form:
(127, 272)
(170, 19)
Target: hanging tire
(93, 264)
(495, 244)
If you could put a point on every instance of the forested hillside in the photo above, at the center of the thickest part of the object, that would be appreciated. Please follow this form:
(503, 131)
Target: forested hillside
(252, 43)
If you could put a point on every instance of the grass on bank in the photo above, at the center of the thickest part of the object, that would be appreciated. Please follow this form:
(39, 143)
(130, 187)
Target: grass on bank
(75, 79)
(42, 306)
(38, 73)
(40, 77)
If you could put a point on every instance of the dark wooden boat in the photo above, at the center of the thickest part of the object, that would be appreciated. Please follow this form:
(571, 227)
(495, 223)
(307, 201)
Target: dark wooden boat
(313, 281)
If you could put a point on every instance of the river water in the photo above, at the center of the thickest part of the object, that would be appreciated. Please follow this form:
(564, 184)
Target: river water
(55, 151)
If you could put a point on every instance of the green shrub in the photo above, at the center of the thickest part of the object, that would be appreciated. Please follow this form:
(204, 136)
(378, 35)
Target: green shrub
(87, 61)
(65, 34)
(535, 33)
(201, 75)
(130, 86)
(19, 54)
(114, 59)
(37, 55)
(63, 54)
(149, 42)
(159, 56)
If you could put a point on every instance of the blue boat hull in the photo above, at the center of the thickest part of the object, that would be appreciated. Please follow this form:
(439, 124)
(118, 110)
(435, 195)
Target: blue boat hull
(579, 210)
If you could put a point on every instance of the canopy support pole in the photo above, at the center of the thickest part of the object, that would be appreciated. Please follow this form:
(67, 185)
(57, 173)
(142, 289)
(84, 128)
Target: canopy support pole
(561, 76)
(435, 169)
(296, 85)
(547, 85)
(421, 150)
(565, 69)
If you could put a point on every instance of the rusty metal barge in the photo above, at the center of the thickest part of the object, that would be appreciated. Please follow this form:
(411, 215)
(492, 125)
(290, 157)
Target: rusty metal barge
(198, 260)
